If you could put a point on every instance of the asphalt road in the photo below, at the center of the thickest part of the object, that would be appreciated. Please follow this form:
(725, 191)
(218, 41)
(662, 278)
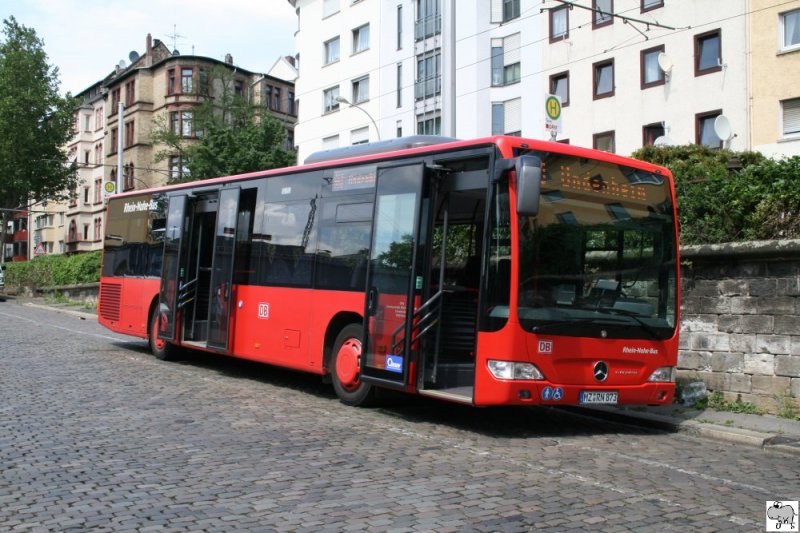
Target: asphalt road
(95, 434)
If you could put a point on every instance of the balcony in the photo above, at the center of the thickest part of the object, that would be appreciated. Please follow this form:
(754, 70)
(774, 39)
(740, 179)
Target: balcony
(20, 236)
(428, 27)
(427, 88)
(82, 246)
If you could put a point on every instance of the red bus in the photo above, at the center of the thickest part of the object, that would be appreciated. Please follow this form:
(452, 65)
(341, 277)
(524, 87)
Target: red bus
(495, 271)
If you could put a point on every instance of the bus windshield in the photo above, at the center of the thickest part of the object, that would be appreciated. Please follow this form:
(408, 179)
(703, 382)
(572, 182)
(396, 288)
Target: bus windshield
(599, 259)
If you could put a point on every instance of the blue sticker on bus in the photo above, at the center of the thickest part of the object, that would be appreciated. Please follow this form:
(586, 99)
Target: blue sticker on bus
(547, 393)
(394, 363)
(558, 393)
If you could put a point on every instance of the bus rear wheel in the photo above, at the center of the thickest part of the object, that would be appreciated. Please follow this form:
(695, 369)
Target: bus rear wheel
(345, 368)
(162, 349)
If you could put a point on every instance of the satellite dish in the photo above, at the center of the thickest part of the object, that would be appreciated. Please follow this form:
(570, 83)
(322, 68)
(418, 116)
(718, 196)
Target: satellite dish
(663, 141)
(121, 63)
(665, 62)
(133, 56)
(722, 127)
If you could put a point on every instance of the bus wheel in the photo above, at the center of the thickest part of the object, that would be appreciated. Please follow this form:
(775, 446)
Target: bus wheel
(346, 368)
(159, 347)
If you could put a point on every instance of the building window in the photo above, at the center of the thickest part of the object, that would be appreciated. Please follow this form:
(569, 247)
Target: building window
(790, 30)
(114, 141)
(182, 123)
(129, 139)
(504, 10)
(87, 120)
(86, 232)
(330, 98)
(559, 85)
(186, 80)
(202, 87)
(507, 117)
(98, 224)
(276, 96)
(603, 79)
(361, 89)
(171, 82)
(330, 142)
(651, 73)
(790, 117)
(86, 157)
(98, 190)
(115, 97)
(127, 177)
(559, 23)
(361, 39)
(332, 51)
(429, 79)
(651, 132)
(360, 135)
(177, 168)
(429, 20)
(98, 118)
(602, 15)
(399, 87)
(98, 154)
(130, 93)
(330, 7)
(399, 128)
(399, 27)
(603, 141)
(704, 129)
(290, 102)
(429, 124)
(647, 5)
(707, 53)
(238, 88)
(506, 60)
(85, 195)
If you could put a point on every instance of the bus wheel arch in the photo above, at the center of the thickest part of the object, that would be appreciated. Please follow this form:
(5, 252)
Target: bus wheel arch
(160, 348)
(344, 366)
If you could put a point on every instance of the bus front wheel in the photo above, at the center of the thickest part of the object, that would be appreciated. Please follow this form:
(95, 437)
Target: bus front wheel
(162, 349)
(346, 368)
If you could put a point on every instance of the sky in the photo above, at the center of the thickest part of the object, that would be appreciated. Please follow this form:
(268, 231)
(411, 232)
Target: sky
(85, 39)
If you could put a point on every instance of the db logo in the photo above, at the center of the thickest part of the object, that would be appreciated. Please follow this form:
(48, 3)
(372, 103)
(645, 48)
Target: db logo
(545, 346)
(263, 310)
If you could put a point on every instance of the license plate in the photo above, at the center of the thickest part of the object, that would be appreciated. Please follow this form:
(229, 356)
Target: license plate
(598, 397)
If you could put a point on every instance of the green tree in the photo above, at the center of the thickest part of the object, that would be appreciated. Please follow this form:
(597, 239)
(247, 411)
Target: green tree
(35, 125)
(233, 135)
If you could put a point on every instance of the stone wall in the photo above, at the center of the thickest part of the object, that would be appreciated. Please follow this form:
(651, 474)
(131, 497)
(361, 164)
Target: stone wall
(740, 313)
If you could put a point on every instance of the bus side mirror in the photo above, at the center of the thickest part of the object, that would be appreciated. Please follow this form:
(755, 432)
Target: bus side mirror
(529, 177)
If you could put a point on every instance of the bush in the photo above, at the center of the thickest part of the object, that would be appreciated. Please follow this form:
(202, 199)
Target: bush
(49, 270)
(758, 198)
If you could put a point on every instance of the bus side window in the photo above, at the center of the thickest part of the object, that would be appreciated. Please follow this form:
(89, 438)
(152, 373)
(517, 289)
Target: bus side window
(344, 239)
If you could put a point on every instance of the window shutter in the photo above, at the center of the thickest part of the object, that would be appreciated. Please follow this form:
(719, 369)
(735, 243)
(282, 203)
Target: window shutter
(497, 12)
(513, 115)
(511, 49)
(361, 135)
(791, 116)
(329, 7)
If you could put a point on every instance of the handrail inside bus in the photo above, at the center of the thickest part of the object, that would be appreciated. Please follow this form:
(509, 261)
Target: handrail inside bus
(378, 147)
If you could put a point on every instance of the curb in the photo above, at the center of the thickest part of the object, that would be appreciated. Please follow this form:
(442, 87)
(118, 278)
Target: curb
(64, 311)
(735, 435)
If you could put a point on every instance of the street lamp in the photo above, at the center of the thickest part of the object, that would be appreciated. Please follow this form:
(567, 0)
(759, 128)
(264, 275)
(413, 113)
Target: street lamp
(343, 100)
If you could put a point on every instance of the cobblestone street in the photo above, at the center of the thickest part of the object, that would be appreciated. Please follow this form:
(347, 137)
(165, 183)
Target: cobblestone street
(96, 434)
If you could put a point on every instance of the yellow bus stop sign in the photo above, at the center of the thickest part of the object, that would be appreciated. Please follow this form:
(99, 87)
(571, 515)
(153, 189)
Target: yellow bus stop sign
(109, 187)
(553, 107)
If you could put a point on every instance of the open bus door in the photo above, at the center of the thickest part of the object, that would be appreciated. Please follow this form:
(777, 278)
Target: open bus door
(393, 278)
(172, 271)
(222, 270)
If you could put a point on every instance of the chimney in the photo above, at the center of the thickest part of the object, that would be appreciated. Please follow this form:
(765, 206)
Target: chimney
(149, 51)
(229, 59)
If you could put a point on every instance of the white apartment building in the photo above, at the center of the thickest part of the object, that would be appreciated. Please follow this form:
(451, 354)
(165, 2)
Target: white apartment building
(628, 72)
(631, 71)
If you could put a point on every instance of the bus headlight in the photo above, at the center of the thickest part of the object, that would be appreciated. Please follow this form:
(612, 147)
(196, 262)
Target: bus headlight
(665, 373)
(512, 370)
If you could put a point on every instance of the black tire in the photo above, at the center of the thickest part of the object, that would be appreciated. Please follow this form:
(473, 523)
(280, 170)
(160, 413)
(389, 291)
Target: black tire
(161, 349)
(346, 379)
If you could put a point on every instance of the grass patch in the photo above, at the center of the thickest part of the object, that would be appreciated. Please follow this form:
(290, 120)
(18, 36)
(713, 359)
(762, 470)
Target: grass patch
(787, 406)
(717, 402)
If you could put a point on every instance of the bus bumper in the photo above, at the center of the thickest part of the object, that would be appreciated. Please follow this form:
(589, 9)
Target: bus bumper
(547, 393)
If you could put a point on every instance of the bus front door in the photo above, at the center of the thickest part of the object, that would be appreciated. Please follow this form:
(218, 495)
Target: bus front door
(171, 270)
(393, 279)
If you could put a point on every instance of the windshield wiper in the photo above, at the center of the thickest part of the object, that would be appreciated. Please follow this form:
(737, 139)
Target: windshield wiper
(631, 314)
